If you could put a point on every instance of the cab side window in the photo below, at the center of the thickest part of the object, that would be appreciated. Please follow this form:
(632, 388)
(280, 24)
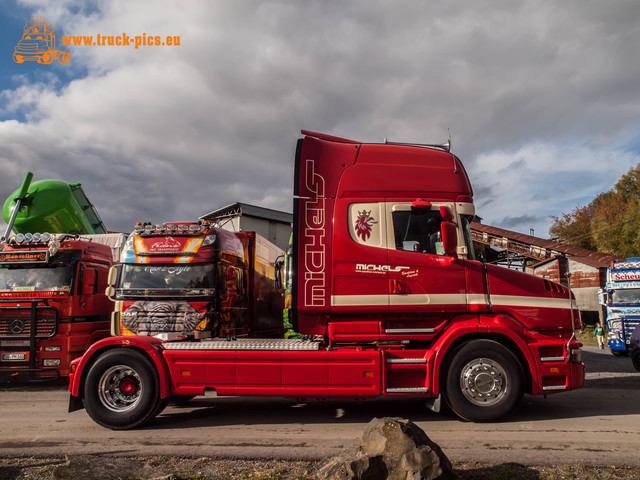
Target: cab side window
(418, 232)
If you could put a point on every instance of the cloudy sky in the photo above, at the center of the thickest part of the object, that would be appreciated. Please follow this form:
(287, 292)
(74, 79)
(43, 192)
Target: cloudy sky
(541, 98)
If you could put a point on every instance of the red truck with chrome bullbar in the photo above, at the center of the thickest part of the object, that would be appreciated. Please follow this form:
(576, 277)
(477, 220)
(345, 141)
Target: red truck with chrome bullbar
(52, 301)
(386, 291)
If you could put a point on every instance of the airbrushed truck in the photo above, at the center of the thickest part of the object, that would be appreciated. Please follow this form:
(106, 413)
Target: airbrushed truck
(621, 298)
(52, 285)
(387, 294)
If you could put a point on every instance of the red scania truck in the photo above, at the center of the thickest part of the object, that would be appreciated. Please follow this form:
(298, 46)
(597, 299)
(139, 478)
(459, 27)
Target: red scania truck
(386, 291)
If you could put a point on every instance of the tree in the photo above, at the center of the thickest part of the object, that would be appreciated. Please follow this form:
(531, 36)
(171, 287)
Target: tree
(609, 224)
(574, 228)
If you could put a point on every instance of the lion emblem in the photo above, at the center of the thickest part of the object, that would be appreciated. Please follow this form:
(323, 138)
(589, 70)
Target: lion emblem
(364, 225)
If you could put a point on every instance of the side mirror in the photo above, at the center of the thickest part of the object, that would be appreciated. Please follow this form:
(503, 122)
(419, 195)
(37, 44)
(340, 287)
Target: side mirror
(112, 278)
(110, 292)
(446, 213)
(449, 239)
(603, 296)
(278, 274)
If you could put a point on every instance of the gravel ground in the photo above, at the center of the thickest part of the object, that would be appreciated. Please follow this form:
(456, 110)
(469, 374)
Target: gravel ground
(174, 468)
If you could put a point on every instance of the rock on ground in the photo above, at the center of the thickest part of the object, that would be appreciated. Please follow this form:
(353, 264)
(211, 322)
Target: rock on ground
(392, 449)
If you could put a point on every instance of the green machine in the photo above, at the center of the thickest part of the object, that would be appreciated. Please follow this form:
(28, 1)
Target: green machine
(50, 206)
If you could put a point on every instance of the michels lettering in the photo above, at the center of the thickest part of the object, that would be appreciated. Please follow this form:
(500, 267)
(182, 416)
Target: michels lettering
(370, 267)
(315, 283)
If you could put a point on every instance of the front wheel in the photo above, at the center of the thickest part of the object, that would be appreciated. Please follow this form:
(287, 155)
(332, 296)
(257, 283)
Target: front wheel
(484, 381)
(121, 390)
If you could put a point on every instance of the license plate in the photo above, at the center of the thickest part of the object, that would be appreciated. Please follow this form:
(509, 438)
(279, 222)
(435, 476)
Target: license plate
(14, 357)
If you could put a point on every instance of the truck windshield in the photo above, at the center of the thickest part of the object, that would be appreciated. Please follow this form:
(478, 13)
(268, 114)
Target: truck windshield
(183, 279)
(627, 295)
(39, 279)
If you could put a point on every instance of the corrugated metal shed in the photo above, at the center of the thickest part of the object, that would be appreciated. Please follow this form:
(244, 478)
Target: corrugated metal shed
(538, 248)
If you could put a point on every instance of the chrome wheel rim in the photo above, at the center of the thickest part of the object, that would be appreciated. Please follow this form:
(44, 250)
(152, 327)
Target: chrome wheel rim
(119, 388)
(483, 381)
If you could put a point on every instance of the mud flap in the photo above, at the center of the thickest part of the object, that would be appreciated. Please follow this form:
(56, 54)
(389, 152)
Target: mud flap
(75, 403)
(433, 404)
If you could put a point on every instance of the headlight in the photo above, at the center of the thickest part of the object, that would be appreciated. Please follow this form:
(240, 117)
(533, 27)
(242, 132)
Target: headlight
(576, 355)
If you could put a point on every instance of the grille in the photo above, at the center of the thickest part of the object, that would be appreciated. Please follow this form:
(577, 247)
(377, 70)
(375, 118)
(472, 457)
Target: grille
(15, 322)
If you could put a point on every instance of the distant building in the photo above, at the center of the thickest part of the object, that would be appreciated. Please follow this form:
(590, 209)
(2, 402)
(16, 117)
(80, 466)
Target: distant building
(551, 260)
(274, 225)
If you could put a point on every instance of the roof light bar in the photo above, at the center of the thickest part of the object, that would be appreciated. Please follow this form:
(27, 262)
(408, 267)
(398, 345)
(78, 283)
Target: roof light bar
(30, 238)
(180, 228)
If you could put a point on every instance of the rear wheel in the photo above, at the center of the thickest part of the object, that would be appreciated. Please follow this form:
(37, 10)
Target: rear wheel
(121, 390)
(484, 381)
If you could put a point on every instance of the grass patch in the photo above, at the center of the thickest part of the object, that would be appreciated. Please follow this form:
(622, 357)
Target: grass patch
(586, 336)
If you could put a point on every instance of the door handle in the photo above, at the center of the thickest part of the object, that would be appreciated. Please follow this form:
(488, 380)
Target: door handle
(396, 287)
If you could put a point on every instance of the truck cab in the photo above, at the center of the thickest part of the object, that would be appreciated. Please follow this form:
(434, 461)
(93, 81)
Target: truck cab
(52, 302)
(191, 279)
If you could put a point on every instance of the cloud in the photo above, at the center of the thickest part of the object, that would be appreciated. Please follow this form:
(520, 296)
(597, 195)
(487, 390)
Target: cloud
(537, 96)
(523, 188)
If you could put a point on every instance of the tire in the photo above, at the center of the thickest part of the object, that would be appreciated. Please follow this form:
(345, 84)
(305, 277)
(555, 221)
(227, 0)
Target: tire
(63, 58)
(121, 390)
(46, 58)
(635, 359)
(484, 381)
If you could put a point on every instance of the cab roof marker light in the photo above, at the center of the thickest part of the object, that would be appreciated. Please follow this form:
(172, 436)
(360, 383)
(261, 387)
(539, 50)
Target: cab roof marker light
(37, 237)
(183, 227)
(46, 236)
(194, 227)
(28, 237)
(19, 238)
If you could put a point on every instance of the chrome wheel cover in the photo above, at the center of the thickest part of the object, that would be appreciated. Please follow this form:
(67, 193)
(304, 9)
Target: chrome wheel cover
(110, 388)
(483, 381)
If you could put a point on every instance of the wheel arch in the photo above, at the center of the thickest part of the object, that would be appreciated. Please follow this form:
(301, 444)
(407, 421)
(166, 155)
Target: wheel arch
(499, 328)
(149, 347)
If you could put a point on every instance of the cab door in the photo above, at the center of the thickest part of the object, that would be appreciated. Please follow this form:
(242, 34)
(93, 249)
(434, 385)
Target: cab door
(426, 287)
(359, 253)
